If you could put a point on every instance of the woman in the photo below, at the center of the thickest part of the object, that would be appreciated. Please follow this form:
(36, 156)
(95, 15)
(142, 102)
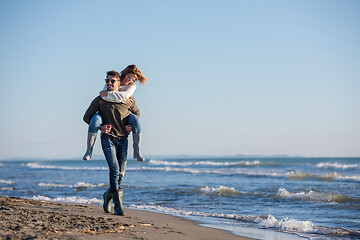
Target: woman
(128, 77)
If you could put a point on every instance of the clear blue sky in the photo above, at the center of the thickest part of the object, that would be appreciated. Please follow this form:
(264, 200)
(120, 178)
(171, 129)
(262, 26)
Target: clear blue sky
(225, 77)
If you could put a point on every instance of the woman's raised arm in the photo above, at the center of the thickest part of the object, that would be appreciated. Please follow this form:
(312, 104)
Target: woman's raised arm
(118, 96)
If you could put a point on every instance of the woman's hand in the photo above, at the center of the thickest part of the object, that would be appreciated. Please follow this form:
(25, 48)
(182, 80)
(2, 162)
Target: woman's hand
(128, 128)
(103, 93)
(129, 102)
(105, 128)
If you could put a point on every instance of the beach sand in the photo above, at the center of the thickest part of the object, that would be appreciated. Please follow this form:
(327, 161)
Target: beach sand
(30, 219)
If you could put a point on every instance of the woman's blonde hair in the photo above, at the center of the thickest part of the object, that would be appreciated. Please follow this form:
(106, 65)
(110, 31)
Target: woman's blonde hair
(134, 70)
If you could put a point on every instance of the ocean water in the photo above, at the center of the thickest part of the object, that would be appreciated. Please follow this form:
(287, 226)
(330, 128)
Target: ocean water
(265, 198)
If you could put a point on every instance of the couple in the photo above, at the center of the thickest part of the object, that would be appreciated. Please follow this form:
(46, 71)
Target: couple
(115, 113)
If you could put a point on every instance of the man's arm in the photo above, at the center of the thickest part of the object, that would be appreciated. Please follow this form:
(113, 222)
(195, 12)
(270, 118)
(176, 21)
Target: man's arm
(134, 108)
(93, 108)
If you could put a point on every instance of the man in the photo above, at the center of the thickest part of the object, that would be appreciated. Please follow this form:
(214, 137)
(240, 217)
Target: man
(114, 140)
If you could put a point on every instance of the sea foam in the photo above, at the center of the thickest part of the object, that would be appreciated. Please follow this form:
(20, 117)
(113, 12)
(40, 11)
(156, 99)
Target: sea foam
(220, 171)
(185, 164)
(311, 195)
(330, 165)
(6, 181)
(286, 224)
(69, 199)
(172, 169)
(220, 191)
(39, 166)
(205, 163)
(77, 185)
(321, 177)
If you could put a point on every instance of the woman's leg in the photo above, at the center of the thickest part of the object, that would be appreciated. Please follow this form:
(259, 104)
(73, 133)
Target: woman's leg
(134, 121)
(94, 126)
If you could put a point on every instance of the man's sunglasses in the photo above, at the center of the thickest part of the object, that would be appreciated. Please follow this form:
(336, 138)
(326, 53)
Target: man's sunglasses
(112, 80)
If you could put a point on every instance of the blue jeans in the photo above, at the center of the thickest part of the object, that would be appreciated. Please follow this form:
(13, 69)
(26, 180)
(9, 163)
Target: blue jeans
(96, 122)
(116, 156)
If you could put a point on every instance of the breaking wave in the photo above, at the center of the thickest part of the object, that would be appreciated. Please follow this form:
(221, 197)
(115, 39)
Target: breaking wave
(77, 185)
(303, 176)
(69, 199)
(221, 171)
(269, 221)
(322, 177)
(330, 165)
(39, 166)
(219, 191)
(171, 169)
(185, 164)
(255, 173)
(286, 224)
(311, 195)
(6, 181)
(208, 163)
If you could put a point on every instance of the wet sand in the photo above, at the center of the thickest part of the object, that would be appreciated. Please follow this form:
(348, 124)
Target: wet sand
(30, 219)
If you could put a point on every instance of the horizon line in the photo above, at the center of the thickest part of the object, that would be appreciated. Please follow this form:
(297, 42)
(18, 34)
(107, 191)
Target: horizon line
(179, 156)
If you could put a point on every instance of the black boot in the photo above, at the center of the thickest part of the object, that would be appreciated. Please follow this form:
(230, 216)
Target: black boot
(118, 200)
(107, 201)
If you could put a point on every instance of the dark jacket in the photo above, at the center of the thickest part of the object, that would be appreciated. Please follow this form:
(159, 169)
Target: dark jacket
(112, 113)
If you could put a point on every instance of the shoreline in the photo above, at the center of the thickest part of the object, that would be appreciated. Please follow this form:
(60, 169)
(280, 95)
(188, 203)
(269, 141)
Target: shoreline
(23, 218)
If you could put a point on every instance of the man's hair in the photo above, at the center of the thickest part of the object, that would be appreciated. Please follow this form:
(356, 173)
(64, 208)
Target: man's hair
(134, 70)
(113, 73)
